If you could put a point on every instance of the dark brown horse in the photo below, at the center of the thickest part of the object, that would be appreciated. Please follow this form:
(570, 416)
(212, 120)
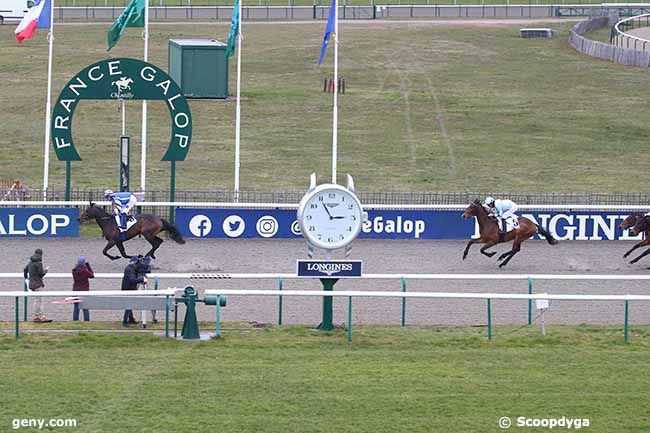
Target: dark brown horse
(147, 225)
(489, 233)
(641, 224)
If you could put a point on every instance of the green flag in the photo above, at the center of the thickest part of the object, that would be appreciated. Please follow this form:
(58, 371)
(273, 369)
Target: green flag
(132, 16)
(234, 30)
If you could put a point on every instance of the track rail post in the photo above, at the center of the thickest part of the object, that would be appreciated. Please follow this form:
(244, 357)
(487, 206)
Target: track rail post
(17, 317)
(627, 316)
(489, 314)
(217, 329)
(350, 319)
(530, 301)
(403, 302)
(279, 302)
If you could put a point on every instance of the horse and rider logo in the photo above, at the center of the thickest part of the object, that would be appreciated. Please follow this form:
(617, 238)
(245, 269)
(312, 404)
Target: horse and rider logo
(123, 85)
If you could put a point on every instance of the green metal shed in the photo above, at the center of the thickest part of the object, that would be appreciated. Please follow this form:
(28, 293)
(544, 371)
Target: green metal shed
(199, 67)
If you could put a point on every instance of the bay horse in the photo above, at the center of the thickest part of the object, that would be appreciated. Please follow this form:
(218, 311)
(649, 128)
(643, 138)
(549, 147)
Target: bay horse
(641, 224)
(489, 233)
(147, 225)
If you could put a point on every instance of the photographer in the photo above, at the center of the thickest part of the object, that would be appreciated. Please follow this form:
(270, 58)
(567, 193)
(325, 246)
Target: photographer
(134, 274)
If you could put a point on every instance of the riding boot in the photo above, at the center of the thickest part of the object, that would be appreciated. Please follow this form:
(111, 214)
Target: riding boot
(502, 231)
(123, 218)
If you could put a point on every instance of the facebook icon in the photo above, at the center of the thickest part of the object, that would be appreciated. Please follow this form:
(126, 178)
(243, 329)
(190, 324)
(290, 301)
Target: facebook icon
(200, 226)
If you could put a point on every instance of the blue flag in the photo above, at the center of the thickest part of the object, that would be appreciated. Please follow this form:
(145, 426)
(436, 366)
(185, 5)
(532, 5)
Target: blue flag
(328, 29)
(45, 19)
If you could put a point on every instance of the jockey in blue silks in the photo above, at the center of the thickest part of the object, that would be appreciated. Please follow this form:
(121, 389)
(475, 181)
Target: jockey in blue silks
(123, 204)
(502, 210)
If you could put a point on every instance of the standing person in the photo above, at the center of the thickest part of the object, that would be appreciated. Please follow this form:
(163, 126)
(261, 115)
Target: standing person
(80, 275)
(35, 272)
(132, 277)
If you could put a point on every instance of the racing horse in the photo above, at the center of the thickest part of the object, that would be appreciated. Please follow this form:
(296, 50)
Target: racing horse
(489, 233)
(639, 223)
(147, 225)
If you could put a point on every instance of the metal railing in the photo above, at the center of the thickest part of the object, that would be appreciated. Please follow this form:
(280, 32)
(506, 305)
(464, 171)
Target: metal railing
(404, 295)
(366, 197)
(347, 12)
(621, 38)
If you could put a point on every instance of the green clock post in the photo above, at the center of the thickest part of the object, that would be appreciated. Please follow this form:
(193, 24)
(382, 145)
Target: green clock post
(330, 218)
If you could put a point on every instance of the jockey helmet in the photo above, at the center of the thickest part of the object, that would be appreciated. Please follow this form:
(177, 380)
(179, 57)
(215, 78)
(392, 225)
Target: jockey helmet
(489, 201)
(108, 193)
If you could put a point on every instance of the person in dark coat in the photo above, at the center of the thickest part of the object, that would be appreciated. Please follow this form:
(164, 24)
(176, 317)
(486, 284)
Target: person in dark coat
(80, 276)
(35, 272)
(130, 281)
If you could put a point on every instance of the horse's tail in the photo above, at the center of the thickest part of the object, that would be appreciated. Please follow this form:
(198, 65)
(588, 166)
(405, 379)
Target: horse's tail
(173, 232)
(549, 237)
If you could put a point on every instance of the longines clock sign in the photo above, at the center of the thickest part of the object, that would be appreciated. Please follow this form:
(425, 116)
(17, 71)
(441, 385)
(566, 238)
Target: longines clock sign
(122, 78)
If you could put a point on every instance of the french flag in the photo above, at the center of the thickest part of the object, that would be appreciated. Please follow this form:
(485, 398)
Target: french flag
(38, 16)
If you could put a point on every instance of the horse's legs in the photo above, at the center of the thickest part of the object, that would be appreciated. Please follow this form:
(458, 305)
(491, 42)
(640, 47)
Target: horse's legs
(640, 244)
(108, 246)
(643, 254)
(120, 246)
(155, 242)
(469, 244)
(516, 246)
(486, 247)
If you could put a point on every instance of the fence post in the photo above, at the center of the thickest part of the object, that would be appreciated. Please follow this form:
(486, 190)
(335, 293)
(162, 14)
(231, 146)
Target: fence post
(403, 301)
(17, 317)
(167, 316)
(625, 329)
(530, 301)
(280, 301)
(217, 325)
(349, 319)
(175, 318)
(25, 299)
(489, 312)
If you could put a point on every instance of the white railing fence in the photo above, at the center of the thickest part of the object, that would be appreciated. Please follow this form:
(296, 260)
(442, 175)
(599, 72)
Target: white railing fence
(402, 278)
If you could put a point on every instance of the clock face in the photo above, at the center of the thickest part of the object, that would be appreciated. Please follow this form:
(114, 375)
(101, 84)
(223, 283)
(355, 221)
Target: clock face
(330, 216)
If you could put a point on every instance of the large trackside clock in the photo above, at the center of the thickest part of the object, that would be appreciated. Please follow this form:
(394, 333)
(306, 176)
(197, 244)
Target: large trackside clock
(330, 215)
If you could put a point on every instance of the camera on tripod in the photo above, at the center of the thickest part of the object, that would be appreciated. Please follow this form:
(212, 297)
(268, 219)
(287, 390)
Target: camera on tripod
(142, 266)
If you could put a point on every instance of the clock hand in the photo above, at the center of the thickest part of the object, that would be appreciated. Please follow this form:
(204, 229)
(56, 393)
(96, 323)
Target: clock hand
(328, 212)
(338, 217)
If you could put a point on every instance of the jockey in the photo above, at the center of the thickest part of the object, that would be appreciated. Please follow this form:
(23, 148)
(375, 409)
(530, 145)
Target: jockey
(502, 209)
(123, 204)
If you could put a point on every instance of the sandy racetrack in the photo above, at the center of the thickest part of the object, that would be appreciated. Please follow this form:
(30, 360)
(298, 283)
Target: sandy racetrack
(278, 256)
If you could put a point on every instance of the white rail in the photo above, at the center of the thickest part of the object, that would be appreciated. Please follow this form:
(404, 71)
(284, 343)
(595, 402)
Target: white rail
(68, 293)
(236, 276)
(376, 294)
(229, 205)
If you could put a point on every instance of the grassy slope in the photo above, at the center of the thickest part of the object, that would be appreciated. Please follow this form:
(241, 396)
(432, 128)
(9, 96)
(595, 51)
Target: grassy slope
(429, 107)
(292, 380)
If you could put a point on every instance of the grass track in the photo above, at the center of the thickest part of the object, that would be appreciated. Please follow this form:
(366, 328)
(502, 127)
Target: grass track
(294, 380)
(429, 107)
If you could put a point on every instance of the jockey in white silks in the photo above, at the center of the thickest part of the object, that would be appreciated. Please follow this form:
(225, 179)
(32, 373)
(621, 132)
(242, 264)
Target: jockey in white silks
(123, 204)
(502, 209)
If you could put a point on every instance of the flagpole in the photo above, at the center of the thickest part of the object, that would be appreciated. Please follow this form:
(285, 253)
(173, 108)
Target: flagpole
(335, 120)
(48, 106)
(143, 158)
(238, 110)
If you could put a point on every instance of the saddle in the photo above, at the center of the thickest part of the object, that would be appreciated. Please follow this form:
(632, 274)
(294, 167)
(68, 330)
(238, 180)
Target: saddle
(130, 220)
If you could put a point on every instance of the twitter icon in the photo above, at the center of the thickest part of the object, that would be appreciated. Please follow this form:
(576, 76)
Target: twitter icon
(233, 226)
